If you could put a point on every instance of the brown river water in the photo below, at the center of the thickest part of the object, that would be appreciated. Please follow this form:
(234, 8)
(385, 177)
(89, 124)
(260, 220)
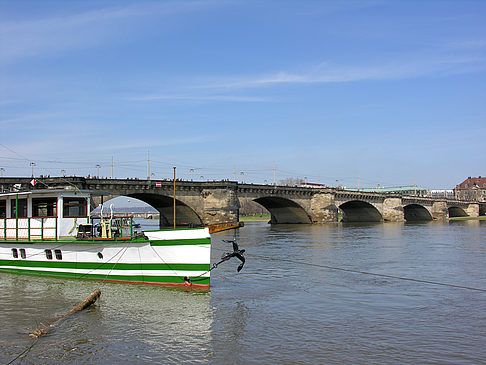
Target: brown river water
(291, 304)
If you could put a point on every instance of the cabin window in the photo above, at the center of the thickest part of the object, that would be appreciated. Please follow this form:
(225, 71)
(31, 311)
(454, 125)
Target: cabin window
(44, 207)
(48, 254)
(22, 253)
(22, 204)
(74, 207)
(58, 254)
(15, 254)
(3, 208)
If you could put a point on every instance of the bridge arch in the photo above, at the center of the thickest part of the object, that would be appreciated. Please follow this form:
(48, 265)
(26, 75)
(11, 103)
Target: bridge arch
(482, 209)
(284, 211)
(360, 211)
(416, 212)
(457, 212)
(185, 215)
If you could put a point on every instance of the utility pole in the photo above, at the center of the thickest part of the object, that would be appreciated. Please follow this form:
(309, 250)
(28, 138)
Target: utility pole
(274, 174)
(174, 199)
(148, 165)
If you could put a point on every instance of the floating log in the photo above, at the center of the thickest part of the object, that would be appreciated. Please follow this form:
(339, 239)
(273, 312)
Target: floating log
(213, 228)
(91, 299)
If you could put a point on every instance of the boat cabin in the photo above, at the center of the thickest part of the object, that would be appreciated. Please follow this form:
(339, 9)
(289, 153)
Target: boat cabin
(54, 214)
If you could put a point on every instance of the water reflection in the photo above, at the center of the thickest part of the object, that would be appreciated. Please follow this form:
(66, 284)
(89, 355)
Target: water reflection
(129, 324)
(287, 305)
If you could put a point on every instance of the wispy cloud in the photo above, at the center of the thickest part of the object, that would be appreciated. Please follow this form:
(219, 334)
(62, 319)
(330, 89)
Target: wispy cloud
(152, 143)
(31, 120)
(63, 31)
(330, 73)
(202, 98)
(6, 102)
(471, 44)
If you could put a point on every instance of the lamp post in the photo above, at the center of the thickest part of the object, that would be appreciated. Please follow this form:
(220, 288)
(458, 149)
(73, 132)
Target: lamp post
(63, 172)
(191, 171)
(242, 176)
(32, 164)
(174, 197)
(1, 171)
(98, 171)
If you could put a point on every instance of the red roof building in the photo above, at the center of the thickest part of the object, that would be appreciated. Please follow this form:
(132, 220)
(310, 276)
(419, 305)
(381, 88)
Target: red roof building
(472, 189)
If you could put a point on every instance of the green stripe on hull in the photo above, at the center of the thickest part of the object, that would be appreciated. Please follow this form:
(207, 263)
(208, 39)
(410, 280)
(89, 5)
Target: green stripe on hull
(194, 241)
(131, 278)
(188, 241)
(73, 241)
(105, 265)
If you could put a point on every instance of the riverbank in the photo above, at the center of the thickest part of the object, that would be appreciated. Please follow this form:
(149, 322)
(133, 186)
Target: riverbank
(255, 218)
(481, 218)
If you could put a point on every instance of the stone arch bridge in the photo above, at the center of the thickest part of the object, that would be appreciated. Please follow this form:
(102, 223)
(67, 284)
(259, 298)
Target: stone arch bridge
(204, 203)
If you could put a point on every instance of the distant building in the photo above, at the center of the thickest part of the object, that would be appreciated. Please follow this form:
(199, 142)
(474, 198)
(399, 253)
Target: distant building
(312, 185)
(440, 194)
(473, 189)
(402, 190)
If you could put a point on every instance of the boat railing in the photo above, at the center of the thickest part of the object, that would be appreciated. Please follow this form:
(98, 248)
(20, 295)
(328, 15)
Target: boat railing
(112, 227)
(38, 228)
(46, 228)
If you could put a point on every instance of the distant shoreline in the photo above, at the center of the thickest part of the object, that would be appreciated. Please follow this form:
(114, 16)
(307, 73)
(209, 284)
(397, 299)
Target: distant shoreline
(480, 218)
(255, 218)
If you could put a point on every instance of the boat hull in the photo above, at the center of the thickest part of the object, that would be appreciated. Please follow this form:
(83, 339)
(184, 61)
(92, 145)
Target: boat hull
(180, 261)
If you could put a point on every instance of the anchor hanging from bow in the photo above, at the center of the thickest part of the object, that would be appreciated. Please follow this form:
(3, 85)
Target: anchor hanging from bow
(236, 253)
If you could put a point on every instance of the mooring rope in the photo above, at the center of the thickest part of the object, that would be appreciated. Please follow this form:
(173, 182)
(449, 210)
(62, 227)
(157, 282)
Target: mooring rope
(354, 271)
(213, 266)
(24, 352)
(423, 281)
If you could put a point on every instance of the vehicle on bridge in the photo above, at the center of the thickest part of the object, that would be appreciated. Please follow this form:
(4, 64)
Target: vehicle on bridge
(49, 232)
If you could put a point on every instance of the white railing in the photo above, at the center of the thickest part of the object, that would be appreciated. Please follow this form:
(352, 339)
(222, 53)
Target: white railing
(28, 228)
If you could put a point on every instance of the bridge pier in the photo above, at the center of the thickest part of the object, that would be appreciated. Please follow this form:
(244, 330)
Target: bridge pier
(220, 206)
(440, 211)
(472, 210)
(393, 210)
(96, 200)
(323, 208)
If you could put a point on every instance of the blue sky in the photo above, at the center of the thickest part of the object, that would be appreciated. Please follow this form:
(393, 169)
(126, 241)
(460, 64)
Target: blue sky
(391, 91)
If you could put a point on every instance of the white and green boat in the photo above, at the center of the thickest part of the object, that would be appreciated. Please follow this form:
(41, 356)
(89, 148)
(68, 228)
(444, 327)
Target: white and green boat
(49, 232)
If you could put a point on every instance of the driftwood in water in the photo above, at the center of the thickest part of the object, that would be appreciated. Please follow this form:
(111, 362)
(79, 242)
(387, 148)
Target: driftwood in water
(93, 297)
(213, 228)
